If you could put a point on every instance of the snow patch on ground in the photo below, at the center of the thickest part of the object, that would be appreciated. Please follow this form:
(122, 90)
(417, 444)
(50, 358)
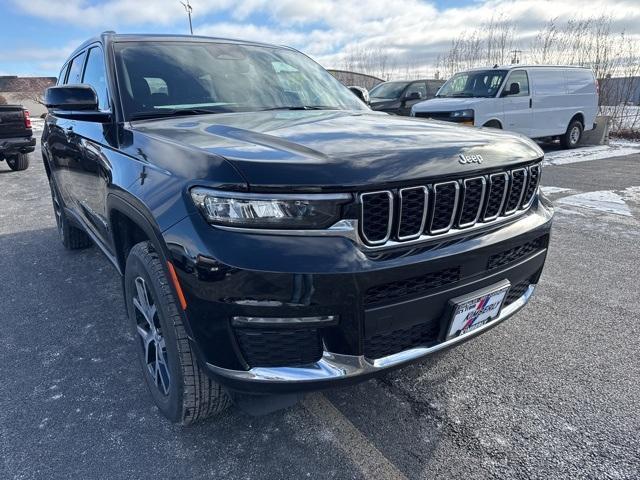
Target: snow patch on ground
(604, 201)
(549, 190)
(37, 124)
(616, 148)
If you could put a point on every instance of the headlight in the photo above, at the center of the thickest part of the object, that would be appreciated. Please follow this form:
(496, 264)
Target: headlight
(255, 210)
(462, 114)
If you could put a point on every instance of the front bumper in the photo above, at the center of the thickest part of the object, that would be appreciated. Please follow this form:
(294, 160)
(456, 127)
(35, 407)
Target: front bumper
(335, 368)
(10, 146)
(228, 274)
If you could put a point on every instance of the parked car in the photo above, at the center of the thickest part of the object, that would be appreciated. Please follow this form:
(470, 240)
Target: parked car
(16, 136)
(399, 96)
(536, 101)
(274, 235)
(360, 92)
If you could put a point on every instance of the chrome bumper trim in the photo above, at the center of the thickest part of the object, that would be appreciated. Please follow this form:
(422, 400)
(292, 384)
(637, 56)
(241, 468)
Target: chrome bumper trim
(335, 366)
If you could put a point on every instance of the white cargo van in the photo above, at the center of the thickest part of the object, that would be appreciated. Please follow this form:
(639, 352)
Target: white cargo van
(537, 101)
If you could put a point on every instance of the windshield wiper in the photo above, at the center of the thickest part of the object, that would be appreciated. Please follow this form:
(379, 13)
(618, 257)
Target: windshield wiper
(301, 107)
(175, 112)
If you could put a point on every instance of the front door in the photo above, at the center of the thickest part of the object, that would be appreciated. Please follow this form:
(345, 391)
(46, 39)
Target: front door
(94, 174)
(517, 107)
(415, 92)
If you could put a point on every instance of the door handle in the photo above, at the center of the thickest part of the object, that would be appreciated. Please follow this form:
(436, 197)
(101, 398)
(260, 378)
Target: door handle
(531, 103)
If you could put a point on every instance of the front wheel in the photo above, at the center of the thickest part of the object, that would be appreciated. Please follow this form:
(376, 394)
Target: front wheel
(573, 135)
(181, 390)
(19, 161)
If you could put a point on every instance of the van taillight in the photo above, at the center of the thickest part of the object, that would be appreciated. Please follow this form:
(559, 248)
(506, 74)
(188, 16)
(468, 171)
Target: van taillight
(27, 119)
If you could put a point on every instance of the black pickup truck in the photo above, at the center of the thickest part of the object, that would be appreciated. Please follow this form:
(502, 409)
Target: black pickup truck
(16, 136)
(275, 235)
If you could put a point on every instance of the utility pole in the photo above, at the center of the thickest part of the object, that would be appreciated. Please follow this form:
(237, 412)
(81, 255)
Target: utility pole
(516, 57)
(189, 9)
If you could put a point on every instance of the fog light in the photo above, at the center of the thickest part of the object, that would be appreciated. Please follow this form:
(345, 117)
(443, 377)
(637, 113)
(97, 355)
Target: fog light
(285, 322)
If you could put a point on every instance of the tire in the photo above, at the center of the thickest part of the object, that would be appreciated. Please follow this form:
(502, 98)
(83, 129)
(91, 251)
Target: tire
(181, 390)
(72, 237)
(493, 124)
(18, 162)
(573, 135)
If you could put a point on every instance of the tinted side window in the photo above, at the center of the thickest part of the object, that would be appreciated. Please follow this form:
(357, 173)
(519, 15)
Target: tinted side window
(419, 87)
(63, 74)
(75, 71)
(520, 77)
(95, 75)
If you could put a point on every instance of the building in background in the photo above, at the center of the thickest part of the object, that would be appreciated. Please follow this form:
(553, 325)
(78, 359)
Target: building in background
(26, 91)
(619, 91)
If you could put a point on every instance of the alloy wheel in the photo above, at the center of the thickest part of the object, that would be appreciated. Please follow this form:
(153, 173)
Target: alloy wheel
(151, 338)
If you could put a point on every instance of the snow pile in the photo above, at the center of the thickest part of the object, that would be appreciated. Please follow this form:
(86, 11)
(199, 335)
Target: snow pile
(617, 148)
(37, 124)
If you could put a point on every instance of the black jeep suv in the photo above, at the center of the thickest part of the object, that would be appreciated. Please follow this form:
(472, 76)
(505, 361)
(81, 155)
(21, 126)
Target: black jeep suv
(274, 235)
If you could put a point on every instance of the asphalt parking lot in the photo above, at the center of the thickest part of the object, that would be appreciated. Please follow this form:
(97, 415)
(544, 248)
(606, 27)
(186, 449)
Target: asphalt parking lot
(551, 393)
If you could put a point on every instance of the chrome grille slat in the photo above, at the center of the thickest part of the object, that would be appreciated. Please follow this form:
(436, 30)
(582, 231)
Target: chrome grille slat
(368, 228)
(436, 213)
(532, 185)
(467, 199)
(516, 190)
(405, 216)
(445, 209)
(501, 195)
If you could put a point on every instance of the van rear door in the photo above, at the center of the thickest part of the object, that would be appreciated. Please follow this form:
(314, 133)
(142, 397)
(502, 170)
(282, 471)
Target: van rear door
(518, 115)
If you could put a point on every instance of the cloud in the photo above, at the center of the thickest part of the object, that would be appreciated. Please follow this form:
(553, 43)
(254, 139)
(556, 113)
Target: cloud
(327, 29)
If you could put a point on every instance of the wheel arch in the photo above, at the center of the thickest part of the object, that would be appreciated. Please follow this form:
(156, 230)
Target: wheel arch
(131, 224)
(578, 116)
(493, 120)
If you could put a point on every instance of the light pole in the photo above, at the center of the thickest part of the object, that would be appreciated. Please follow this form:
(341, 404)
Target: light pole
(189, 9)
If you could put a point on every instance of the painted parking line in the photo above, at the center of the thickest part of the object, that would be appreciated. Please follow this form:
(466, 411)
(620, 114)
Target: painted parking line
(369, 460)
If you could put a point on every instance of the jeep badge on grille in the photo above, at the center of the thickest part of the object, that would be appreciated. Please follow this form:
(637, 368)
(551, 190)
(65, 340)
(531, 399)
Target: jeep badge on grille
(470, 158)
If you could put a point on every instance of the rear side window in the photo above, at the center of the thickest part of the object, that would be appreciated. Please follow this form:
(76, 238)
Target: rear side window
(75, 71)
(580, 80)
(520, 77)
(95, 75)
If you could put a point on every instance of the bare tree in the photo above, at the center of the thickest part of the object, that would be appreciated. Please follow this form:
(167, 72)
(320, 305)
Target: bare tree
(32, 89)
(613, 57)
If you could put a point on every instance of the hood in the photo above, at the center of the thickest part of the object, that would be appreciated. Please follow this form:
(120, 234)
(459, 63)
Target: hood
(448, 104)
(338, 150)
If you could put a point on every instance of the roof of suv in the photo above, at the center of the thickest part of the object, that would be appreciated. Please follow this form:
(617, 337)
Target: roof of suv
(112, 37)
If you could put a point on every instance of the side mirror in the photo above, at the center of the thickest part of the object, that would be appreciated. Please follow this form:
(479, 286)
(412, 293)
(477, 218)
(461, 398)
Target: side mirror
(514, 89)
(414, 96)
(75, 102)
(360, 92)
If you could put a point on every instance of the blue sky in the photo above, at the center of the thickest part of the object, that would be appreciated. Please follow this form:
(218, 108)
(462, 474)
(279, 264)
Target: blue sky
(36, 35)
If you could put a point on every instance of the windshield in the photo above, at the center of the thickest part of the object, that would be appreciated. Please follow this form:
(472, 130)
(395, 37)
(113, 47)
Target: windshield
(483, 83)
(388, 90)
(163, 78)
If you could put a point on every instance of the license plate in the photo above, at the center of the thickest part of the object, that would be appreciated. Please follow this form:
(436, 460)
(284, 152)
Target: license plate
(474, 310)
